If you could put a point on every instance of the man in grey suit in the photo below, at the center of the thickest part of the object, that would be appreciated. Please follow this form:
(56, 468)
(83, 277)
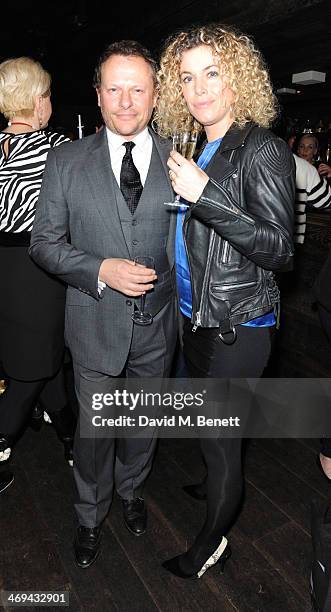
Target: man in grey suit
(101, 205)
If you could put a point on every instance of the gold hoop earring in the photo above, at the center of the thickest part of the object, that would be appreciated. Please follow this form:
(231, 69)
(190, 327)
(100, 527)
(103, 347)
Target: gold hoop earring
(40, 121)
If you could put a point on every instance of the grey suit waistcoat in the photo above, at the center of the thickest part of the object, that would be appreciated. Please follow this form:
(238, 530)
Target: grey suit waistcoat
(146, 231)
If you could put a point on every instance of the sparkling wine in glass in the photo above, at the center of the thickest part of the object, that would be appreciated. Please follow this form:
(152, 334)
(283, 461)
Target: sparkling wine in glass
(187, 143)
(184, 143)
(140, 317)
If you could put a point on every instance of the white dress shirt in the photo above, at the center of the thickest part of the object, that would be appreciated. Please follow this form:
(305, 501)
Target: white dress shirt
(141, 155)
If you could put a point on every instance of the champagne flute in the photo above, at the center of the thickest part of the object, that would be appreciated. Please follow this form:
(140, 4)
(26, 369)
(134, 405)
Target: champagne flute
(140, 317)
(184, 142)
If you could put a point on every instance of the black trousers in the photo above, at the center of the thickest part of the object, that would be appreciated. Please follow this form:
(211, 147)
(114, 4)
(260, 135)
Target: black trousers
(20, 397)
(207, 356)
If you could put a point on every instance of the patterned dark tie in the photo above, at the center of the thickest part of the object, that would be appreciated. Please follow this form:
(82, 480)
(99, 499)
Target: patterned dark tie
(130, 182)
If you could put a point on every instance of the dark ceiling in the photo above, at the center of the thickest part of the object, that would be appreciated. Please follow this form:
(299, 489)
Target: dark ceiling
(294, 36)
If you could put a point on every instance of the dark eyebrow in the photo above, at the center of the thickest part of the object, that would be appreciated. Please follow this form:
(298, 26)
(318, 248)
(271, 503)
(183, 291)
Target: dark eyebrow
(207, 68)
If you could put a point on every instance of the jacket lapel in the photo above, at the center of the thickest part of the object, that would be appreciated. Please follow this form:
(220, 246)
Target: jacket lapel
(219, 167)
(101, 181)
(163, 147)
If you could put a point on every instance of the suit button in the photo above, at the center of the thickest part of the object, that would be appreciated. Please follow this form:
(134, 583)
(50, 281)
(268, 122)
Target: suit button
(134, 222)
(128, 303)
(135, 242)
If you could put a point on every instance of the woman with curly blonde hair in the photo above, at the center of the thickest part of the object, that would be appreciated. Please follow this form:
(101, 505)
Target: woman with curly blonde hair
(242, 67)
(234, 230)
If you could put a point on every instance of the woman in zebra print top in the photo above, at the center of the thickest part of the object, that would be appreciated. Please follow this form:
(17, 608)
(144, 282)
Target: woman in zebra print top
(22, 162)
(32, 302)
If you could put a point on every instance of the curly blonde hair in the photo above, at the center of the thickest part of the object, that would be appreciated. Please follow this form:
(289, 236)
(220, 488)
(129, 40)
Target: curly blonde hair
(21, 80)
(242, 65)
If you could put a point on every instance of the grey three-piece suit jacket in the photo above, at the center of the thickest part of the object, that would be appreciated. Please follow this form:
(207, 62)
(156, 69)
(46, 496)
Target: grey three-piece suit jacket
(81, 219)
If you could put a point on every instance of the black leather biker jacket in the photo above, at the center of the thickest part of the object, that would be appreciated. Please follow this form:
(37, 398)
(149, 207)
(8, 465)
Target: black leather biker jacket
(240, 230)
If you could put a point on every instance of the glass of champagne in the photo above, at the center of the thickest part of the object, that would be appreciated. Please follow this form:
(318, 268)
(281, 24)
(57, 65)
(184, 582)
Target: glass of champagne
(140, 317)
(184, 142)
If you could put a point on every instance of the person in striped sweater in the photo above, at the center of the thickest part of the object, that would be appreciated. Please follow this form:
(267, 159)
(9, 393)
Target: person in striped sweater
(311, 190)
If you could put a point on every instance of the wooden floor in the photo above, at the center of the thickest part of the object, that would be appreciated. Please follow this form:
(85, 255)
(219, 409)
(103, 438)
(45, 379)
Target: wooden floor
(269, 569)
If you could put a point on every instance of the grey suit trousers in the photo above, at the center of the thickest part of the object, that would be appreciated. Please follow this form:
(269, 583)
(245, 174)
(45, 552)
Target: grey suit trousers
(101, 463)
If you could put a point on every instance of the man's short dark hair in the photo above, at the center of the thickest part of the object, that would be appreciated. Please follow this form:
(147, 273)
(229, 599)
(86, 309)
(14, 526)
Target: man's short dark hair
(126, 48)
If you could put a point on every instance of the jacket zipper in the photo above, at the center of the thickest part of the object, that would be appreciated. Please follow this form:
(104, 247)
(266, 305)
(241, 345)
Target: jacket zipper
(225, 251)
(235, 286)
(236, 213)
(197, 322)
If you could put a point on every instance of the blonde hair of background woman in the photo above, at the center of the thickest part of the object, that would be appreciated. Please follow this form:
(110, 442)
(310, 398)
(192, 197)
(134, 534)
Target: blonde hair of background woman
(21, 80)
(240, 62)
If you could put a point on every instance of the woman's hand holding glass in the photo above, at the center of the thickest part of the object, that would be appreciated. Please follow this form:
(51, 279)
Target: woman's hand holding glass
(188, 180)
(184, 142)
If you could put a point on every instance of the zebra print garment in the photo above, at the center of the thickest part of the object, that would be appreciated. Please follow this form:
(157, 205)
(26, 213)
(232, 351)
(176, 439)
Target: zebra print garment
(21, 173)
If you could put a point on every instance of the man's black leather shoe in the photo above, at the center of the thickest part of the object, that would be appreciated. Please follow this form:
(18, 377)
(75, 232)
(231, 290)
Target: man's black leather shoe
(135, 515)
(87, 545)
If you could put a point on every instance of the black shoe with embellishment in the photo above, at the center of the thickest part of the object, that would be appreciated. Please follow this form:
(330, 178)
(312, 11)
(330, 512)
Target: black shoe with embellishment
(5, 447)
(179, 566)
